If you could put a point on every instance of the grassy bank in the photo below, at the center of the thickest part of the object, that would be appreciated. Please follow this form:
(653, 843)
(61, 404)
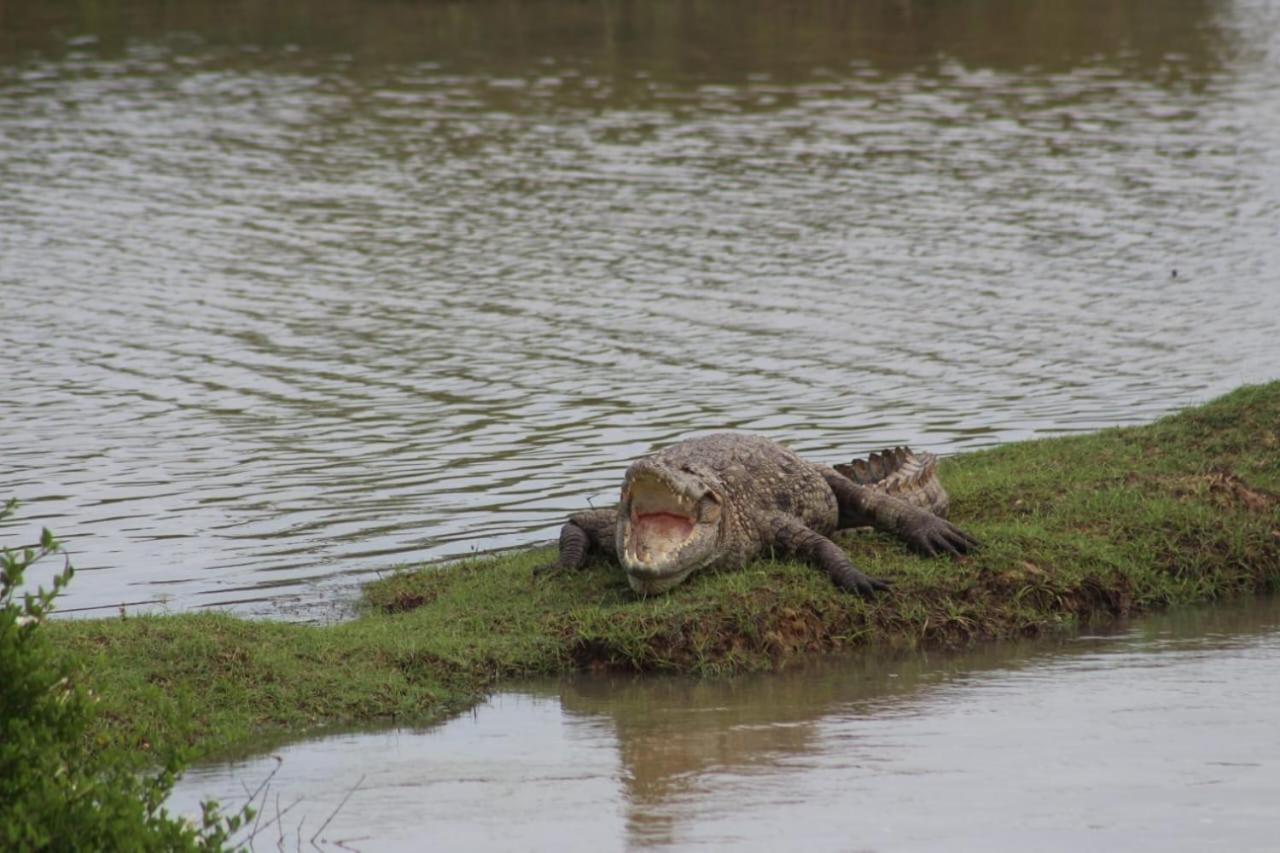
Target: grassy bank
(1181, 511)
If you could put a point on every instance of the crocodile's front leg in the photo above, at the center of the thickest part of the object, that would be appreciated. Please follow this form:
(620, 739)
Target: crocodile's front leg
(919, 528)
(583, 534)
(792, 538)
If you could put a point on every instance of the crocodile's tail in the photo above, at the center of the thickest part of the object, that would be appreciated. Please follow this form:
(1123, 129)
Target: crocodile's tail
(912, 477)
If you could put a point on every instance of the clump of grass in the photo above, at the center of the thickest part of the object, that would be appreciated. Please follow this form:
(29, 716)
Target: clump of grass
(1074, 529)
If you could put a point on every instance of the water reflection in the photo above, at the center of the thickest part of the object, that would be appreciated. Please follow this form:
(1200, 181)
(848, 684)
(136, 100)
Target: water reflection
(728, 41)
(300, 292)
(1158, 736)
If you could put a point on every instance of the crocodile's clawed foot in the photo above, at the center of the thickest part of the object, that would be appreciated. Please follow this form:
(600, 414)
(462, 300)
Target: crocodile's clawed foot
(931, 536)
(848, 578)
(548, 569)
(863, 585)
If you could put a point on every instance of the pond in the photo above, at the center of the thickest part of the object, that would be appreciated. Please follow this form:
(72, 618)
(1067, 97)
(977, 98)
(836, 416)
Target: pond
(1159, 735)
(294, 293)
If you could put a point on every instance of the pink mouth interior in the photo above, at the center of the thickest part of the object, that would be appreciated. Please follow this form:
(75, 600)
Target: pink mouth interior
(663, 525)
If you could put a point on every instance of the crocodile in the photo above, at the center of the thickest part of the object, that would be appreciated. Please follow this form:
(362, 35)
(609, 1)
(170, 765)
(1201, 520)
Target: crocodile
(718, 501)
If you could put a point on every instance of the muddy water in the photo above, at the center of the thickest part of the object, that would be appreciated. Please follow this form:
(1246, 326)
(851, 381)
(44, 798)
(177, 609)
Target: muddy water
(290, 293)
(1159, 736)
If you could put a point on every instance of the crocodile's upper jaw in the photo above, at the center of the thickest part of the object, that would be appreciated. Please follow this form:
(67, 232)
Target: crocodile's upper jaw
(670, 526)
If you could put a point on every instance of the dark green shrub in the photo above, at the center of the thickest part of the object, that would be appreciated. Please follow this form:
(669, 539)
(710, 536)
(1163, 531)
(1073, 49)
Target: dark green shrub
(58, 791)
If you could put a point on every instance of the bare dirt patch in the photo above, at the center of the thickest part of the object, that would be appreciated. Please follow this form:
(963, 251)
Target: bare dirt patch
(1235, 491)
(1223, 487)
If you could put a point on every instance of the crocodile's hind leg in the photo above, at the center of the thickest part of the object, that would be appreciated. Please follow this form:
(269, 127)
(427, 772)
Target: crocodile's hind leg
(919, 528)
(584, 534)
(792, 538)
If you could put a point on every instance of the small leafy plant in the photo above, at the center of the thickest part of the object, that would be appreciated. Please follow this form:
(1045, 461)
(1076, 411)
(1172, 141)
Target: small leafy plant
(59, 790)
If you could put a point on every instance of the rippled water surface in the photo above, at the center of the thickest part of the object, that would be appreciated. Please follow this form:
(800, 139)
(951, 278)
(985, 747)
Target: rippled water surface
(1160, 737)
(294, 292)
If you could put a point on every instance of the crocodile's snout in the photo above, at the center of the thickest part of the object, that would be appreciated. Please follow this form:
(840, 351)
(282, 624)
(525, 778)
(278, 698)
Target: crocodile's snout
(670, 525)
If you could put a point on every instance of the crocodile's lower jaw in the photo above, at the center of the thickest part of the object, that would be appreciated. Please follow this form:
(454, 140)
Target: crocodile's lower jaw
(653, 584)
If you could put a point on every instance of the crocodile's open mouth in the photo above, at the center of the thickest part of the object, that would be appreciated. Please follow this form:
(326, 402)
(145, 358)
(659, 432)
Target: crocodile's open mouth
(661, 522)
(670, 526)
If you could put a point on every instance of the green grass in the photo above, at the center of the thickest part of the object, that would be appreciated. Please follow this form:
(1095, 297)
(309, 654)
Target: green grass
(1181, 511)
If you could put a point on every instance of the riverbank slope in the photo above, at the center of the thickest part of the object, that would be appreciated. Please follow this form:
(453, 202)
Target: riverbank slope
(1181, 511)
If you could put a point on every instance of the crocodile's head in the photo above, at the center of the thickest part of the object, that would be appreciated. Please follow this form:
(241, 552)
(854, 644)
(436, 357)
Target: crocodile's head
(669, 523)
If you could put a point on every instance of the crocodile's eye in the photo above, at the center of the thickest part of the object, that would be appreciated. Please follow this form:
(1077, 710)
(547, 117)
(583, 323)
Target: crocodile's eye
(709, 508)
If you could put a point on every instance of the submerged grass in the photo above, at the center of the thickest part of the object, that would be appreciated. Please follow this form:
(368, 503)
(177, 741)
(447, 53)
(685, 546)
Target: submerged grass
(1184, 510)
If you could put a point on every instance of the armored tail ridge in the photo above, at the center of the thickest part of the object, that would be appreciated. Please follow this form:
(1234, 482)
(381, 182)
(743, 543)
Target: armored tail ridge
(904, 474)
